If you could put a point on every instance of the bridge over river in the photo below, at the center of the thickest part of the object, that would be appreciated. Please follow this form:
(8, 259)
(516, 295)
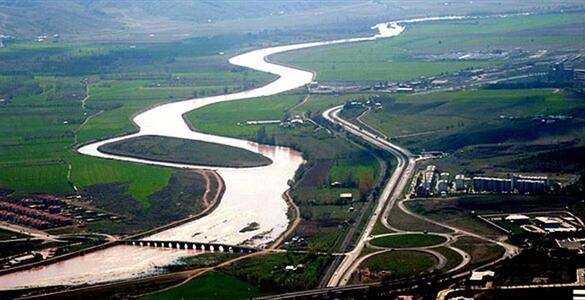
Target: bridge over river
(182, 245)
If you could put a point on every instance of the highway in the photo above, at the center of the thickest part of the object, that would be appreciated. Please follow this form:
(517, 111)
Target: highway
(392, 192)
(391, 195)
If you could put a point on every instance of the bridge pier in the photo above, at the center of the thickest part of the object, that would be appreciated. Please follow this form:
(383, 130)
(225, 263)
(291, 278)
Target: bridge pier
(203, 247)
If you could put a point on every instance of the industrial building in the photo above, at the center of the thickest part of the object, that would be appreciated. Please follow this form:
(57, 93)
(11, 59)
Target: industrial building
(553, 224)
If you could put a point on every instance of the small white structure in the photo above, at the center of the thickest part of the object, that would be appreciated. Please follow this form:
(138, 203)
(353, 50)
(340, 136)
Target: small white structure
(480, 276)
(444, 176)
(518, 219)
(22, 259)
(346, 197)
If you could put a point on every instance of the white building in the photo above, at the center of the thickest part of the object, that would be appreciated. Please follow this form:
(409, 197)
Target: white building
(459, 182)
(443, 186)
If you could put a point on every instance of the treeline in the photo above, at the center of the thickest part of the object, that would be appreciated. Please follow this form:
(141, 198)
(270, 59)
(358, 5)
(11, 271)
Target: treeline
(11, 86)
(505, 85)
(269, 273)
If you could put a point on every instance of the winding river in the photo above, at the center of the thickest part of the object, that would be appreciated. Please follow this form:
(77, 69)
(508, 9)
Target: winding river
(251, 195)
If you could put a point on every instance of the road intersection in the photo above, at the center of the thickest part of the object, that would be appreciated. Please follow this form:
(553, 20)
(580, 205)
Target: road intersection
(392, 198)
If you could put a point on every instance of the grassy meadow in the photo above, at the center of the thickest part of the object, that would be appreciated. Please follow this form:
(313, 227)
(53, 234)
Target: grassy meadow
(212, 285)
(408, 241)
(490, 131)
(396, 264)
(403, 57)
(176, 150)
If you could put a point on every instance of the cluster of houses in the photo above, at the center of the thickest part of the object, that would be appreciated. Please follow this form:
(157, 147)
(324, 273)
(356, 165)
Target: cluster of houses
(43, 38)
(292, 122)
(30, 217)
(47, 211)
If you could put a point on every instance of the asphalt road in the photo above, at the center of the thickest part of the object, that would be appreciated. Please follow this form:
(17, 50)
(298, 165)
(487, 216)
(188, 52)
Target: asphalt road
(391, 195)
(392, 189)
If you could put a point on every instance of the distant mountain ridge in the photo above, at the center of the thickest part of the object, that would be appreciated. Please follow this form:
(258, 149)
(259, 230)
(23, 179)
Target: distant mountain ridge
(35, 17)
(124, 20)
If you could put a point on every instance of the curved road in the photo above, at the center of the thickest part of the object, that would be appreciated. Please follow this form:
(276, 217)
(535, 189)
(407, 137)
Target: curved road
(388, 199)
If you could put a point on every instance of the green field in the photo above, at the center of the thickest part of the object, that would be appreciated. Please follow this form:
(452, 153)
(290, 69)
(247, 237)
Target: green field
(180, 197)
(454, 213)
(212, 285)
(449, 112)
(408, 241)
(43, 116)
(269, 274)
(397, 218)
(223, 118)
(490, 132)
(402, 57)
(186, 152)
(398, 264)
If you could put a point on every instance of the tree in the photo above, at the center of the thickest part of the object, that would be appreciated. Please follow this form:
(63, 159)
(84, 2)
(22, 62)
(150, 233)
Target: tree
(261, 134)
(365, 185)
(285, 116)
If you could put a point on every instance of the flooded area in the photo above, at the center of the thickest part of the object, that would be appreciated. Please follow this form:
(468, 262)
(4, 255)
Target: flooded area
(100, 266)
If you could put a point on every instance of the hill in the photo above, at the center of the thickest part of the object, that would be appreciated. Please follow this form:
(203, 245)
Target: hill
(107, 20)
